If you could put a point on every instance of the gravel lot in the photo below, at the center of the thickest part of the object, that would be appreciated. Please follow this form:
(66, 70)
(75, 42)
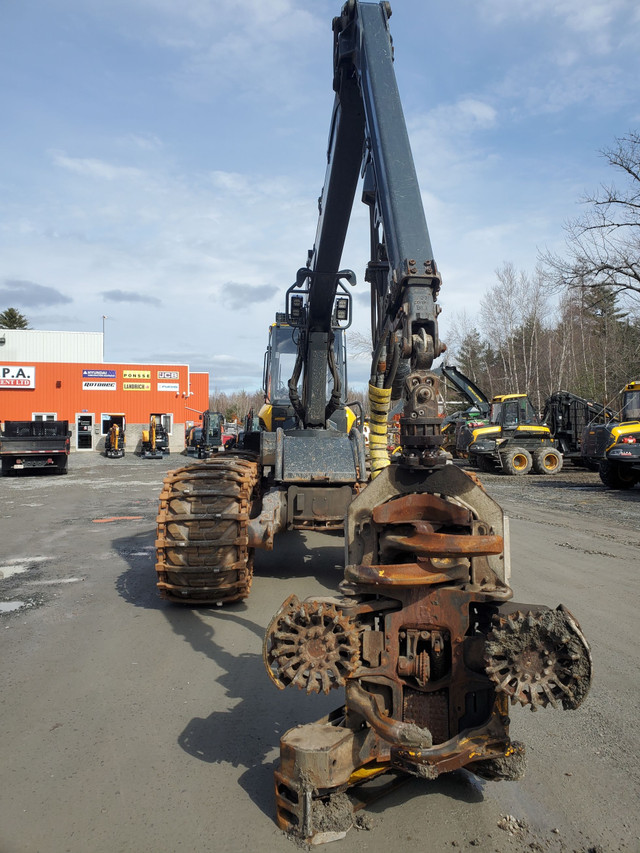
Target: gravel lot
(130, 724)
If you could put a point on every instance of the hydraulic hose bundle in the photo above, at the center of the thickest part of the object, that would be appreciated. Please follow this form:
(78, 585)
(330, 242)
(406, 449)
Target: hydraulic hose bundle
(379, 405)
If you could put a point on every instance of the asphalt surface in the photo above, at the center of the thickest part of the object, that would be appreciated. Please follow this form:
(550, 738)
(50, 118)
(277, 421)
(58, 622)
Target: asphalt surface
(129, 724)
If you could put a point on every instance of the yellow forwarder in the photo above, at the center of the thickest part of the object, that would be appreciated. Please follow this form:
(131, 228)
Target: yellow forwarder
(615, 446)
(515, 440)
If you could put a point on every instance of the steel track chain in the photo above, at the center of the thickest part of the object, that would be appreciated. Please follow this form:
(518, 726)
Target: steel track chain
(203, 556)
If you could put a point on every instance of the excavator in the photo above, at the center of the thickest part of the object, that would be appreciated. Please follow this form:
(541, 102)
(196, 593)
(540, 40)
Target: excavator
(115, 442)
(155, 440)
(422, 635)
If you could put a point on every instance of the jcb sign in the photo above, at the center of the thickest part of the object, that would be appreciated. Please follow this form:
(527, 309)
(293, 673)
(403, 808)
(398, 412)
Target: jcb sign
(17, 376)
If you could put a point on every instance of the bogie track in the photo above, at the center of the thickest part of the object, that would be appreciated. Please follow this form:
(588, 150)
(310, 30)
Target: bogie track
(203, 555)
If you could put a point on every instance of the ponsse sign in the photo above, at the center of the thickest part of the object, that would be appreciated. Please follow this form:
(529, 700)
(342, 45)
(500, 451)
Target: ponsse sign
(17, 376)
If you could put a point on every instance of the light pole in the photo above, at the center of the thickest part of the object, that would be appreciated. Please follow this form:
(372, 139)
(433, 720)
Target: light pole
(104, 317)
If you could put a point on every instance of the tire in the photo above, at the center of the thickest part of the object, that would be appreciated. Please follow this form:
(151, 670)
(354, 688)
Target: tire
(516, 461)
(473, 460)
(547, 460)
(615, 476)
(202, 534)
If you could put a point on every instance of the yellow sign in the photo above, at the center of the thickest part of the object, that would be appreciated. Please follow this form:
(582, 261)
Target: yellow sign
(136, 386)
(136, 374)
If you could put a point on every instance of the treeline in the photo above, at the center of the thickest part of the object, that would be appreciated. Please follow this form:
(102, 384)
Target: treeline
(574, 323)
(523, 342)
(236, 405)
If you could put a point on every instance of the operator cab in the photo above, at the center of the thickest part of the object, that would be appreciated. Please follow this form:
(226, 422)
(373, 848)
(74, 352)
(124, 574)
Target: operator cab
(279, 364)
(510, 412)
(631, 402)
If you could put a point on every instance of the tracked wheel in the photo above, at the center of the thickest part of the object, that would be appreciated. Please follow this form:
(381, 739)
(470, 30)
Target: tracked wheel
(539, 658)
(311, 645)
(203, 556)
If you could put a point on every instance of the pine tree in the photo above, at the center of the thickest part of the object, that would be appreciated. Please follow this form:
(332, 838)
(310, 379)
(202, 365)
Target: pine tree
(11, 318)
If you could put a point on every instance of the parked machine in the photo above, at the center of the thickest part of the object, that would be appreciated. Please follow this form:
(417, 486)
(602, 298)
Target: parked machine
(115, 441)
(615, 445)
(207, 438)
(567, 417)
(515, 442)
(34, 445)
(422, 635)
(457, 428)
(155, 440)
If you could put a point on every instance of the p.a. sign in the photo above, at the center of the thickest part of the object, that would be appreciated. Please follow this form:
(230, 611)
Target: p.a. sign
(17, 376)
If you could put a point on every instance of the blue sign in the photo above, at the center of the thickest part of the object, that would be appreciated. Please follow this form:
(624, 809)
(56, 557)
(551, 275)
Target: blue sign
(98, 374)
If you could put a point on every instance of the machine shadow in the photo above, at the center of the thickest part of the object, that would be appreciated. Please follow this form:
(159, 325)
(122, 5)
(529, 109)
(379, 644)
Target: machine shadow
(243, 735)
(247, 733)
(137, 584)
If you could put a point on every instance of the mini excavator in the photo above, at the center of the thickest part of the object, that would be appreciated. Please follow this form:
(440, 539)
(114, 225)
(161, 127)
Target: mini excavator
(422, 635)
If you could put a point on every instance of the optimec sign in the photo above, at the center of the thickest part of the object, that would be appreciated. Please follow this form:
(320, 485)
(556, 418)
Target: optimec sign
(17, 376)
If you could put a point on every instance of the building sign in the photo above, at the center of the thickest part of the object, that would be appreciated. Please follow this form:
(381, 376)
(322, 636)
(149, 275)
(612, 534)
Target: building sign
(136, 386)
(168, 374)
(16, 376)
(136, 374)
(98, 374)
(169, 386)
(99, 386)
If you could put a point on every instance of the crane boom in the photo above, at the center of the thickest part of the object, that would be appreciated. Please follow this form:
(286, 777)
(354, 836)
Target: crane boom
(368, 136)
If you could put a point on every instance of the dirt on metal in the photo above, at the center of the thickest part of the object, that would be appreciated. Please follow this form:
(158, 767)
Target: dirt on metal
(203, 553)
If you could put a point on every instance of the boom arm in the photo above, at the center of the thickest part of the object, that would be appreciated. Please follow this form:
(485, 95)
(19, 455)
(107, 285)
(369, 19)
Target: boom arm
(474, 395)
(368, 134)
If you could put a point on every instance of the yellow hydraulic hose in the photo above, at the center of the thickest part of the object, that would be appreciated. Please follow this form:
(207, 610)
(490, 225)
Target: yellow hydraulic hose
(379, 404)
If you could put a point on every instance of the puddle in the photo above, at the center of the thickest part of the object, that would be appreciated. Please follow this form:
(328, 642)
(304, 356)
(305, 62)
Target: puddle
(18, 567)
(10, 606)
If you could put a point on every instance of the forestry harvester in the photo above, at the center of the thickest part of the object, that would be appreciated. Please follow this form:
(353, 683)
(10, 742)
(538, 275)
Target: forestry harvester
(422, 635)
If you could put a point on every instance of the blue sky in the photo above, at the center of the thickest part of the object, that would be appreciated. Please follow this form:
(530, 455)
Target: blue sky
(161, 161)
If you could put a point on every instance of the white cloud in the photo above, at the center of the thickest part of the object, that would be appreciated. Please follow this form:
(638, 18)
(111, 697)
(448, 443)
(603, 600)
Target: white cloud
(595, 18)
(93, 168)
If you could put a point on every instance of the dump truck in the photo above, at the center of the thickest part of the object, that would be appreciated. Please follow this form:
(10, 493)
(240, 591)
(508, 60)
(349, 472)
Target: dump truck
(35, 445)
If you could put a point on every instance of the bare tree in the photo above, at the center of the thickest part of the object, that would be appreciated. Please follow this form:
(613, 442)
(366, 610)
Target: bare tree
(604, 244)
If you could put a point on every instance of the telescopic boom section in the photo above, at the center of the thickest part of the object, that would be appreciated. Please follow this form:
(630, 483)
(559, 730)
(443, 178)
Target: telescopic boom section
(368, 136)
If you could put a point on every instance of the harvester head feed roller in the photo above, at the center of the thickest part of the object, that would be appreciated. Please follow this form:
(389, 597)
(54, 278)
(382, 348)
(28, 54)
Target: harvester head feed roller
(539, 658)
(311, 645)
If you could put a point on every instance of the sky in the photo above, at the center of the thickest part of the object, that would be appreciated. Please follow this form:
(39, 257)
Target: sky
(160, 162)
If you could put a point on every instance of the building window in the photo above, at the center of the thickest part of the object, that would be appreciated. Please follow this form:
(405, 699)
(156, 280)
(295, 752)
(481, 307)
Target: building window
(166, 419)
(44, 416)
(107, 421)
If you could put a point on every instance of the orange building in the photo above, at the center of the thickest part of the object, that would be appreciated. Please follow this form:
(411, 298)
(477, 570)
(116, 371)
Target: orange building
(92, 394)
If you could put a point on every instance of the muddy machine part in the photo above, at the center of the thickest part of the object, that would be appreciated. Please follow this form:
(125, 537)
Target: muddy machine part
(429, 648)
(423, 636)
(202, 545)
